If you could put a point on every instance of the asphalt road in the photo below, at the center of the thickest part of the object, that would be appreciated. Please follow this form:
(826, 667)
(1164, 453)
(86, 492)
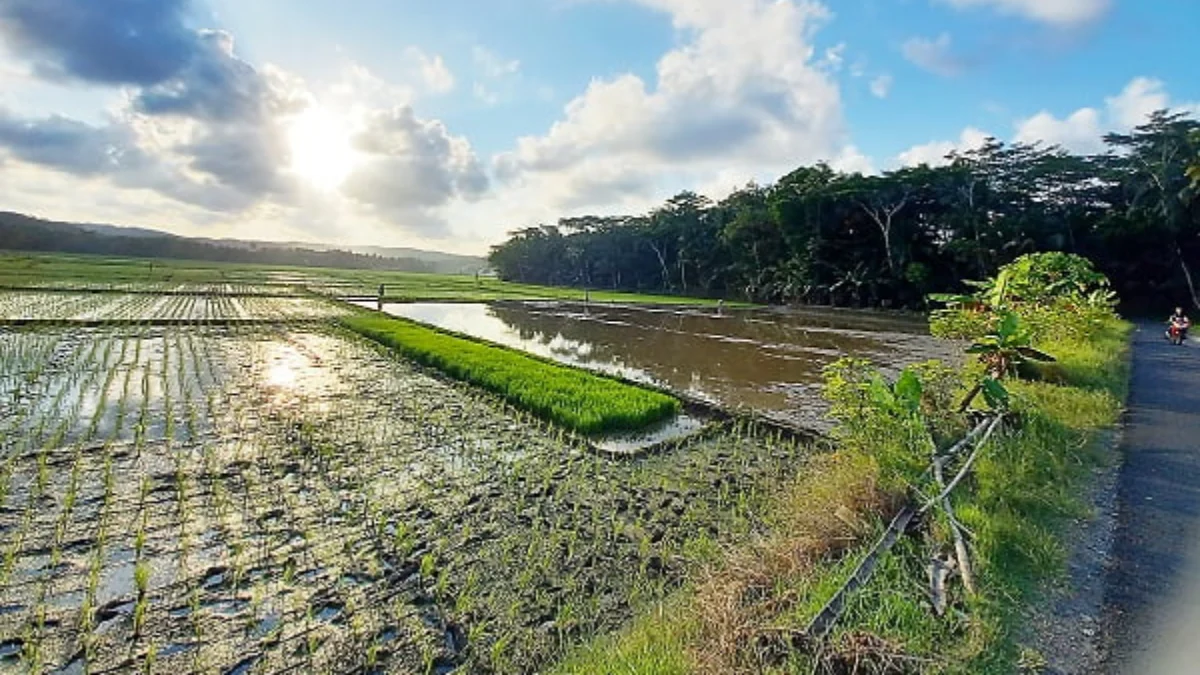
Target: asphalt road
(1151, 619)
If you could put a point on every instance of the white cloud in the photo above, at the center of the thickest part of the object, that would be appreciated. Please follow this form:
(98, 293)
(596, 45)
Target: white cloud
(1082, 131)
(743, 95)
(412, 167)
(835, 57)
(934, 153)
(933, 55)
(498, 77)
(881, 86)
(359, 87)
(211, 146)
(432, 69)
(852, 160)
(1079, 132)
(1136, 101)
(1056, 12)
(491, 64)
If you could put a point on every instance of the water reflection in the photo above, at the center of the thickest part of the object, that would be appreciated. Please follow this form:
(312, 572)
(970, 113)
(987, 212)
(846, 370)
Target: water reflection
(768, 360)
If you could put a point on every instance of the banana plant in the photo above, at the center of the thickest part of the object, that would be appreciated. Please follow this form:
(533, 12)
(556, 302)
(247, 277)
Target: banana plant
(992, 294)
(1001, 352)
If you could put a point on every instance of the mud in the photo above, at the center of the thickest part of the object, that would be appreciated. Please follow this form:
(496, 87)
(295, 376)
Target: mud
(246, 499)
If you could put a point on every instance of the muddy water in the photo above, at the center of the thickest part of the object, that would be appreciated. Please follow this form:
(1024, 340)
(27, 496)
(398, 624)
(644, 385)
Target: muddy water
(769, 360)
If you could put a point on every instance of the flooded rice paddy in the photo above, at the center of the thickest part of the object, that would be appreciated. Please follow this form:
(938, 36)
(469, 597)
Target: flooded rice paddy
(769, 361)
(290, 497)
(160, 306)
(269, 499)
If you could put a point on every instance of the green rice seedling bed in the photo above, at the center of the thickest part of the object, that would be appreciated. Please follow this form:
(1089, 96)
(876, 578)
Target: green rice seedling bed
(576, 399)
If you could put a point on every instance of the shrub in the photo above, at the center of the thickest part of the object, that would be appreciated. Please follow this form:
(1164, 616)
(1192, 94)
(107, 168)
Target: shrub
(896, 423)
(1042, 277)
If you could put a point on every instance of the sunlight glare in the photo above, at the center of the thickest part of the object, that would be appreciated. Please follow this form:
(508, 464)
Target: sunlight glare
(321, 149)
(281, 375)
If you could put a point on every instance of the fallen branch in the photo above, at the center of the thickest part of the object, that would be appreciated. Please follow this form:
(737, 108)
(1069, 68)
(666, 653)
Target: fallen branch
(960, 546)
(995, 421)
(966, 440)
(824, 621)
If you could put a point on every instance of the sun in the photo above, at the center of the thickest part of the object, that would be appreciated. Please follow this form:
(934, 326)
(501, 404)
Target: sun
(321, 151)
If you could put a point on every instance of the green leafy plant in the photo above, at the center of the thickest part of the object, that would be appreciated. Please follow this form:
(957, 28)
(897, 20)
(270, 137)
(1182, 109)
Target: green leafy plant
(1001, 352)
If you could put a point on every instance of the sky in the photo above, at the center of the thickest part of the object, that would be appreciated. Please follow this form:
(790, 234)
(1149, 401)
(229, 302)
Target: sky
(445, 125)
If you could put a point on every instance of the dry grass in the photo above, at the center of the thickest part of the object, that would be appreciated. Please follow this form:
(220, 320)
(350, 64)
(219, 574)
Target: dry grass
(822, 515)
(861, 653)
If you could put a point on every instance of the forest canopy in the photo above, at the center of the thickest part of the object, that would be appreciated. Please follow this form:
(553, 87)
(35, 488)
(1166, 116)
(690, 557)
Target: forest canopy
(820, 236)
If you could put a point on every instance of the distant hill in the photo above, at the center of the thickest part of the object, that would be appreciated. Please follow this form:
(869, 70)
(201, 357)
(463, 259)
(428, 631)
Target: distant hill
(22, 232)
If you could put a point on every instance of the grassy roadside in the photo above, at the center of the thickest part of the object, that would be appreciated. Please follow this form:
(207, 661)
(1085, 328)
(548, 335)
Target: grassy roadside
(576, 399)
(743, 614)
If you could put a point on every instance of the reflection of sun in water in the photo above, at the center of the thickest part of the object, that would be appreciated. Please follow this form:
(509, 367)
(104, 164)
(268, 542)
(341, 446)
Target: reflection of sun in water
(321, 149)
(281, 374)
(298, 379)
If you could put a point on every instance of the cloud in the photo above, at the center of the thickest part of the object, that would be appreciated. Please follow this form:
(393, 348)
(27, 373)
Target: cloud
(434, 73)
(1083, 130)
(852, 160)
(1055, 12)
(742, 94)
(203, 127)
(141, 42)
(215, 85)
(69, 145)
(835, 57)
(498, 76)
(113, 151)
(413, 166)
(492, 65)
(1080, 132)
(881, 86)
(1136, 101)
(934, 153)
(219, 119)
(358, 87)
(933, 55)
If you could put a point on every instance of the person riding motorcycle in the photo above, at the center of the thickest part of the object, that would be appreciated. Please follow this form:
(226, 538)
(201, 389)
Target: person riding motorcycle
(1178, 321)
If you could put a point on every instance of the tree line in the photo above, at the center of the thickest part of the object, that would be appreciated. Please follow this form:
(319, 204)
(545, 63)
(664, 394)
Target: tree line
(819, 236)
(24, 233)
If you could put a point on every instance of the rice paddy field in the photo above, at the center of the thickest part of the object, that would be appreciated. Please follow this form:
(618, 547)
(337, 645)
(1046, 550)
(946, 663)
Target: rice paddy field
(206, 474)
(97, 273)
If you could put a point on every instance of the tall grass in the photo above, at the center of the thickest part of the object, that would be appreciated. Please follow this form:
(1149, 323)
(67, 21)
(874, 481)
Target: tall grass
(573, 398)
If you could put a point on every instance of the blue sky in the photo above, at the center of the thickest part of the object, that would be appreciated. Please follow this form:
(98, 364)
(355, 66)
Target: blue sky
(446, 124)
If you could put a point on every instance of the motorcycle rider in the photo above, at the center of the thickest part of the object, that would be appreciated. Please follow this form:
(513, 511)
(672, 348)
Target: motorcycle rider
(1179, 320)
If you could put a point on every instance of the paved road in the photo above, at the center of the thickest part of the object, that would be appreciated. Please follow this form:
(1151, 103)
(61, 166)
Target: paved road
(1151, 620)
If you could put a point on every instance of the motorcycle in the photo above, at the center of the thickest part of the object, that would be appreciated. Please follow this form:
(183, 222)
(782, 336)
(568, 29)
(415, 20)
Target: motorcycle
(1176, 334)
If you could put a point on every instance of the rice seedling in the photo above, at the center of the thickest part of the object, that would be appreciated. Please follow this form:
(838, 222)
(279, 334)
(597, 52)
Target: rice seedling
(495, 511)
(576, 399)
